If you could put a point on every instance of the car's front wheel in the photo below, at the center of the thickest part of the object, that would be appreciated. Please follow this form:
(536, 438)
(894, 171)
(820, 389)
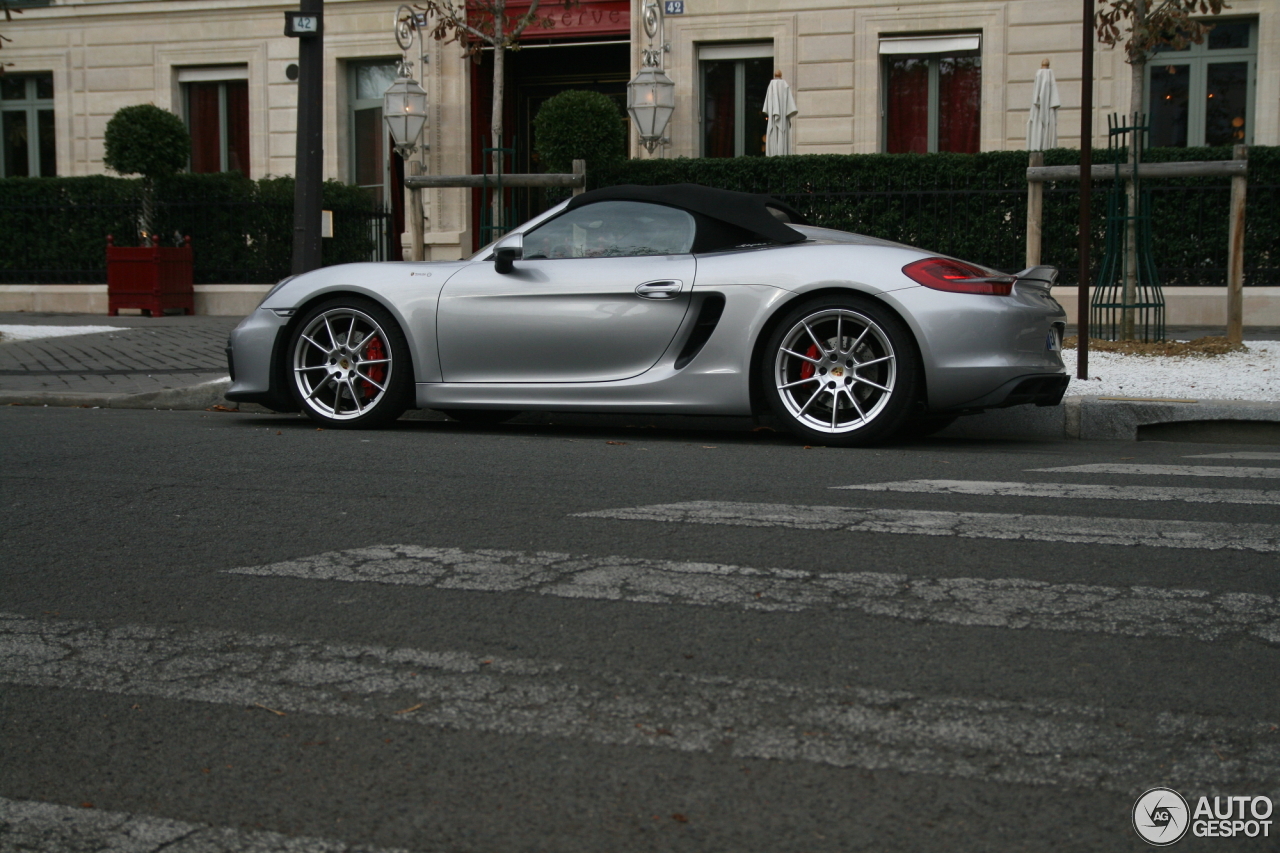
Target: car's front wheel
(841, 371)
(349, 365)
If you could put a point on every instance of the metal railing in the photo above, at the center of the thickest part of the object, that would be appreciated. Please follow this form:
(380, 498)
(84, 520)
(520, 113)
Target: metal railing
(988, 226)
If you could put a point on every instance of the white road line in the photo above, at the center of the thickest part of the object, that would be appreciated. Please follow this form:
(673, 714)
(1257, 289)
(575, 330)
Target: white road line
(1073, 490)
(969, 525)
(1024, 742)
(1000, 603)
(1166, 470)
(1275, 457)
(33, 826)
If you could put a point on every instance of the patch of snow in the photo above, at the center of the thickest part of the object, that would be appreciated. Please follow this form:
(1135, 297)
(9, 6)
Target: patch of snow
(1252, 375)
(30, 333)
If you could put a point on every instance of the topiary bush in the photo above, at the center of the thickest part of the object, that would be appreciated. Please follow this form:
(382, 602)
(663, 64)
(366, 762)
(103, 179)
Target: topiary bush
(146, 140)
(579, 125)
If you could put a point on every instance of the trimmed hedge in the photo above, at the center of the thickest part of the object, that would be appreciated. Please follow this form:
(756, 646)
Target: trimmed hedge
(973, 206)
(54, 230)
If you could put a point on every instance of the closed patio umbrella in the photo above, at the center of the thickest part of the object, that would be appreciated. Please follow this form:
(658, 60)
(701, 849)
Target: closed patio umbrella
(779, 106)
(1042, 125)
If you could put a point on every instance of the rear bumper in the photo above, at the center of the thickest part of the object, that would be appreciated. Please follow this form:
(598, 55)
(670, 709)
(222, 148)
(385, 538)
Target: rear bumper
(1042, 389)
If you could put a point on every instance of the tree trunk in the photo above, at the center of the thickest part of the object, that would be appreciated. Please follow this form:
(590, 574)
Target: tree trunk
(495, 119)
(148, 214)
(1137, 67)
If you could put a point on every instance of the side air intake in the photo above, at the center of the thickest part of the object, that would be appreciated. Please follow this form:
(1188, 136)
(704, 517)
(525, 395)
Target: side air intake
(708, 317)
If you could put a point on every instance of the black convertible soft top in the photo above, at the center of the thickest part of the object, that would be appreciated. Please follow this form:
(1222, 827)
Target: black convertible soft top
(759, 215)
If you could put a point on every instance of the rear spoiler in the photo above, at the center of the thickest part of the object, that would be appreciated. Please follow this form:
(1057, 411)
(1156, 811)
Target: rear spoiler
(1039, 278)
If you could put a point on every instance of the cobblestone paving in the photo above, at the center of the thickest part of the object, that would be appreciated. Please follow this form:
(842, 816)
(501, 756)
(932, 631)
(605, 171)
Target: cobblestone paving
(146, 354)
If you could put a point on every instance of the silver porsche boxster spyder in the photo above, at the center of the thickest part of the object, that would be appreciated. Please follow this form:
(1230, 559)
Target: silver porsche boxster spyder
(664, 300)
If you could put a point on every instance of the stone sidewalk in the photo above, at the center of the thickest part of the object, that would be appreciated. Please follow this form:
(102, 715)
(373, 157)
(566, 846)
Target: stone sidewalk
(146, 356)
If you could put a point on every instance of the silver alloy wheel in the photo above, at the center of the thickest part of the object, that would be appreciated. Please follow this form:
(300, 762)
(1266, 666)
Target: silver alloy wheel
(835, 370)
(342, 364)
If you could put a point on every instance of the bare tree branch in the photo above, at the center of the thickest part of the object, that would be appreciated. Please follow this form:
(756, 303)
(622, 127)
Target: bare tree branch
(9, 12)
(1154, 25)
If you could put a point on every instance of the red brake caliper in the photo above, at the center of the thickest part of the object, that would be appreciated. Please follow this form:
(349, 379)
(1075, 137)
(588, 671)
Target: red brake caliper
(806, 369)
(377, 372)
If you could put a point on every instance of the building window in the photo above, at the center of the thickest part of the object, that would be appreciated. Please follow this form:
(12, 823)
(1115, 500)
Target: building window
(734, 79)
(26, 120)
(1203, 94)
(932, 93)
(371, 157)
(216, 101)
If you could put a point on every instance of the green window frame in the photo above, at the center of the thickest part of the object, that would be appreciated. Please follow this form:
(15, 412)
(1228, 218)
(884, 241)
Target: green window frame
(1204, 94)
(370, 161)
(215, 107)
(27, 126)
(733, 79)
(931, 93)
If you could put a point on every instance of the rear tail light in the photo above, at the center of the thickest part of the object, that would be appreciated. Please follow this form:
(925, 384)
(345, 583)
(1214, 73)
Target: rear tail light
(958, 277)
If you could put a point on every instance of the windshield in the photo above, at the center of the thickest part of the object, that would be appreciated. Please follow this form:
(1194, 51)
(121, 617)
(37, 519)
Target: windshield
(484, 253)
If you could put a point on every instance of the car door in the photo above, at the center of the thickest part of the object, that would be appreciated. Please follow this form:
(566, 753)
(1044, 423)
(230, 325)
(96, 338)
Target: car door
(597, 297)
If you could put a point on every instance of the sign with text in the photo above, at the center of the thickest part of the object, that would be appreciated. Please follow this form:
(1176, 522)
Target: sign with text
(590, 18)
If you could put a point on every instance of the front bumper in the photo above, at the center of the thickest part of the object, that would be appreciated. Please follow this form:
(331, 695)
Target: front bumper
(254, 355)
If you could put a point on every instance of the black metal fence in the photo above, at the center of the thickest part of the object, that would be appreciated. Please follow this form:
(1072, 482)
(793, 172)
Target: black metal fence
(973, 206)
(61, 240)
(988, 226)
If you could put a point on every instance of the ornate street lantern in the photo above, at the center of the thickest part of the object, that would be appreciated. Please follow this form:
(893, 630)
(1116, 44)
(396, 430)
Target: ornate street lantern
(651, 96)
(404, 109)
(651, 99)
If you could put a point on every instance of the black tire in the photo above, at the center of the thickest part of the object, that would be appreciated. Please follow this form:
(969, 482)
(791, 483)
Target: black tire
(344, 386)
(841, 371)
(480, 417)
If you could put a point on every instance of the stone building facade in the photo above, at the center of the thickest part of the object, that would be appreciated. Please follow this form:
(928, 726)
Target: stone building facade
(959, 72)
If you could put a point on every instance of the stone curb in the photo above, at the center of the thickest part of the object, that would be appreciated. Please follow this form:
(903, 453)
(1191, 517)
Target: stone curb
(193, 397)
(1085, 418)
(1128, 419)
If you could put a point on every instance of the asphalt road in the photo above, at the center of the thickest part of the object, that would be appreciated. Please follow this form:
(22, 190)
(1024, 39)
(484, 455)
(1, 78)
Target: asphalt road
(229, 632)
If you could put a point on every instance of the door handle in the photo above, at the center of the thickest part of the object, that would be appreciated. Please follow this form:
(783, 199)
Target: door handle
(667, 288)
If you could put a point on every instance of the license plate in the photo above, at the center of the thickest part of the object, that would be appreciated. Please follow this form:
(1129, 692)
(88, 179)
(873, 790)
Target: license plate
(1053, 343)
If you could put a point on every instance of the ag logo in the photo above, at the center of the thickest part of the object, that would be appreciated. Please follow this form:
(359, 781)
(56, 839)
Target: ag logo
(1161, 816)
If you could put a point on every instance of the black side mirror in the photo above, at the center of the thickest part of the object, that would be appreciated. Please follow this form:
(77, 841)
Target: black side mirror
(504, 258)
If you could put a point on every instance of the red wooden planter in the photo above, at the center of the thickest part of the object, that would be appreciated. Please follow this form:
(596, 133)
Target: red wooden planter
(152, 278)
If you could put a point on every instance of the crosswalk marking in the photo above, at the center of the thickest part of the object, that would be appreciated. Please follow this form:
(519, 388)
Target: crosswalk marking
(1072, 490)
(1040, 742)
(1210, 535)
(999, 603)
(1165, 470)
(29, 825)
(1240, 454)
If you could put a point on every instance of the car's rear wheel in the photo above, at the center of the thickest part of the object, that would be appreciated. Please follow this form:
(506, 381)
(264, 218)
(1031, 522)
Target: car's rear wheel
(349, 365)
(841, 371)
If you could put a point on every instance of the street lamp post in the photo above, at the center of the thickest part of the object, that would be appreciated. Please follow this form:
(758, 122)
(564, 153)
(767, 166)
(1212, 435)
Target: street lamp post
(404, 109)
(307, 25)
(651, 94)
